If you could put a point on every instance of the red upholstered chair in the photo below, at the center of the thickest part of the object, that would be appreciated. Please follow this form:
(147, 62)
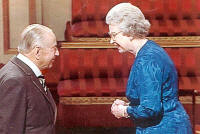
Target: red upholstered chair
(94, 72)
(91, 80)
(167, 17)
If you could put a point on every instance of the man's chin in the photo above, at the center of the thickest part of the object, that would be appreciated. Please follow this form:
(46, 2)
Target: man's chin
(50, 66)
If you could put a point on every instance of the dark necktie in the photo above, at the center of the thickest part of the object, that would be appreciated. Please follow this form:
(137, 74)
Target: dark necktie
(42, 81)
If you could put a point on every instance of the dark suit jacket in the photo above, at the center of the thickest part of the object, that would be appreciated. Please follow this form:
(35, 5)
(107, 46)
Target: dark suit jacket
(25, 108)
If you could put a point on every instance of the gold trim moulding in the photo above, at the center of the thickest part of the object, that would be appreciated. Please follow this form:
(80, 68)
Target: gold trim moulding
(86, 45)
(110, 100)
(89, 100)
(178, 41)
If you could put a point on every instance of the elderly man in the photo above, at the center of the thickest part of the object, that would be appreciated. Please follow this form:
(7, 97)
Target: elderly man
(26, 104)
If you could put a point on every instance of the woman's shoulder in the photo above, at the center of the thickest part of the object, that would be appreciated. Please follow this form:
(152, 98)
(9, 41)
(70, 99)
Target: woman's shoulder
(150, 49)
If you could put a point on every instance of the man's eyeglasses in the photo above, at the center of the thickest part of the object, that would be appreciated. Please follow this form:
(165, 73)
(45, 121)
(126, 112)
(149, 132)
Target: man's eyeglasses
(113, 34)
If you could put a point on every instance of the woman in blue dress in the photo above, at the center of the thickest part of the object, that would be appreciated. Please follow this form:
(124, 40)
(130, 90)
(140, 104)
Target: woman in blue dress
(152, 87)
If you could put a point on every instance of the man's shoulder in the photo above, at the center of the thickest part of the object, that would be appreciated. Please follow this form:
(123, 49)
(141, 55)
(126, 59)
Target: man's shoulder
(10, 70)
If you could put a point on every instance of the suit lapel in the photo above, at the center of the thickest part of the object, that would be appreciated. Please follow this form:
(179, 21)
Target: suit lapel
(53, 105)
(40, 87)
(47, 95)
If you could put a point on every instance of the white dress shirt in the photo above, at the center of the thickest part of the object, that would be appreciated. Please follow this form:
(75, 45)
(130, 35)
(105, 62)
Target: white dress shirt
(33, 67)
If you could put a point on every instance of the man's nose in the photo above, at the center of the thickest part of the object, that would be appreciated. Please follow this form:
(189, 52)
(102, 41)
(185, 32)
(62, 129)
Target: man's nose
(57, 52)
(111, 41)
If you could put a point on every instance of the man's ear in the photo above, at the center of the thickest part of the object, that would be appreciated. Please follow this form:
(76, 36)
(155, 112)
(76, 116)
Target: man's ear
(37, 52)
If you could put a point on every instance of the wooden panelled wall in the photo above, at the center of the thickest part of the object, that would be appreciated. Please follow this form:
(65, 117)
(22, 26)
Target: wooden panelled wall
(6, 26)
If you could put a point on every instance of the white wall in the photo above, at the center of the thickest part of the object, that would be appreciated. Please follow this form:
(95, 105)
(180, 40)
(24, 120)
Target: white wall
(18, 19)
(3, 58)
(55, 15)
(52, 13)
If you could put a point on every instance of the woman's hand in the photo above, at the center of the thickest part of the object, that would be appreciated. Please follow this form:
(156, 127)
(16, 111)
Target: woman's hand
(119, 102)
(119, 109)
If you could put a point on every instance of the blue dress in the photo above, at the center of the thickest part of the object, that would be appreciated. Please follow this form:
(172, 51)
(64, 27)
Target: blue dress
(152, 90)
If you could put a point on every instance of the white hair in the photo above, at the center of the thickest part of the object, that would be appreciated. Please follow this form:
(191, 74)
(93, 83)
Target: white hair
(33, 35)
(130, 19)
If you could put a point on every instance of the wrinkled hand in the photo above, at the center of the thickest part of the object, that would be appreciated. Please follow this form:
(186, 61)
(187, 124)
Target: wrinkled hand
(118, 109)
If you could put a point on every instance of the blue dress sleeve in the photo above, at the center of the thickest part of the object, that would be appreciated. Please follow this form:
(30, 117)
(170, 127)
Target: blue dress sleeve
(147, 80)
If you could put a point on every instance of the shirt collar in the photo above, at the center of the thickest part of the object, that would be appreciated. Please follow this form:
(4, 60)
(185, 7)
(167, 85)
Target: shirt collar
(28, 62)
(140, 48)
